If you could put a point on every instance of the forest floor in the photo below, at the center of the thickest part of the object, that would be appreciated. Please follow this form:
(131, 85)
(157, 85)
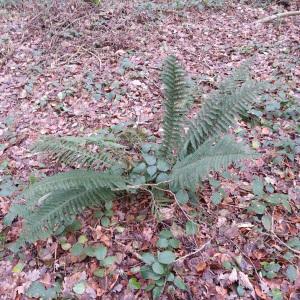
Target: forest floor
(72, 68)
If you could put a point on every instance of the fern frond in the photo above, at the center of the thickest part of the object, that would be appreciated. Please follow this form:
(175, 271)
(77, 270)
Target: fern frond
(177, 100)
(72, 150)
(220, 110)
(59, 207)
(210, 156)
(15, 210)
(86, 179)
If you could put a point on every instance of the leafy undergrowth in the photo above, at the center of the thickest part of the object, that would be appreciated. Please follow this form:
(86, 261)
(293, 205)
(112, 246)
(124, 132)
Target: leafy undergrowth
(74, 69)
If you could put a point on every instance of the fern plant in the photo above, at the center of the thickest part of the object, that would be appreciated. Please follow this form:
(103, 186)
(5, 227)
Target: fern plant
(182, 160)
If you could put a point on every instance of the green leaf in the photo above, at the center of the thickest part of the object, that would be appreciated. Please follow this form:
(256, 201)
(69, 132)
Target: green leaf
(162, 177)
(240, 290)
(162, 243)
(291, 273)
(82, 239)
(179, 283)
(289, 256)
(267, 222)
(191, 228)
(140, 168)
(163, 166)
(276, 294)
(108, 205)
(100, 252)
(160, 282)
(166, 257)
(156, 292)
(182, 196)
(79, 288)
(77, 249)
(151, 170)
(276, 198)
(89, 251)
(18, 268)
(294, 243)
(108, 261)
(216, 198)
(134, 284)
(174, 243)
(147, 273)
(166, 233)
(146, 148)
(38, 290)
(258, 207)
(227, 265)
(171, 277)
(66, 246)
(148, 258)
(100, 272)
(255, 144)
(258, 186)
(149, 159)
(286, 205)
(158, 268)
(149, 287)
(105, 221)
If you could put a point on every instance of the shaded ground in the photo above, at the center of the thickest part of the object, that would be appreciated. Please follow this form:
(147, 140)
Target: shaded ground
(72, 69)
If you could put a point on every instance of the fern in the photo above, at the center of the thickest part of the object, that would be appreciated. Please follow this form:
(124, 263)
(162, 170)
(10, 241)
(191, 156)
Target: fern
(210, 156)
(59, 207)
(177, 100)
(87, 179)
(56, 200)
(71, 150)
(219, 111)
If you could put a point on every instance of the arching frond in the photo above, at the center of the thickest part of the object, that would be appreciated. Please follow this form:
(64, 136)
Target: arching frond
(210, 156)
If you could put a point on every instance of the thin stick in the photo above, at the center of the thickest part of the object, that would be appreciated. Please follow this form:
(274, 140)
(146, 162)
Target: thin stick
(194, 252)
(278, 16)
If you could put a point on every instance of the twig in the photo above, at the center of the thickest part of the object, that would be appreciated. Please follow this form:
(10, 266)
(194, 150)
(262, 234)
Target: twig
(95, 55)
(194, 252)
(273, 234)
(253, 265)
(278, 16)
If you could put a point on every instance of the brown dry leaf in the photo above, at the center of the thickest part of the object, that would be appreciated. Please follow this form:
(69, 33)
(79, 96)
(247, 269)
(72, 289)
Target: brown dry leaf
(260, 294)
(233, 277)
(148, 233)
(106, 240)
(166, 213)
(244, 281)
(201, 267)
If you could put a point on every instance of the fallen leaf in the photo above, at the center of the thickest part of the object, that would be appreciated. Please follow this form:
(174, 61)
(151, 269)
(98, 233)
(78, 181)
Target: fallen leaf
(201, 267)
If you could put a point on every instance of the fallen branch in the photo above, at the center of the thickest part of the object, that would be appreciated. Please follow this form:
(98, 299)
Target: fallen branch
(278, 16)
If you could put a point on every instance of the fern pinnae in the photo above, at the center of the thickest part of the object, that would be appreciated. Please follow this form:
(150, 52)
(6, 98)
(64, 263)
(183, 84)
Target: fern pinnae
(176, 105)
(210, 156)
(218, 113)
(61, 205)
(71, 151)
(88, 179)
